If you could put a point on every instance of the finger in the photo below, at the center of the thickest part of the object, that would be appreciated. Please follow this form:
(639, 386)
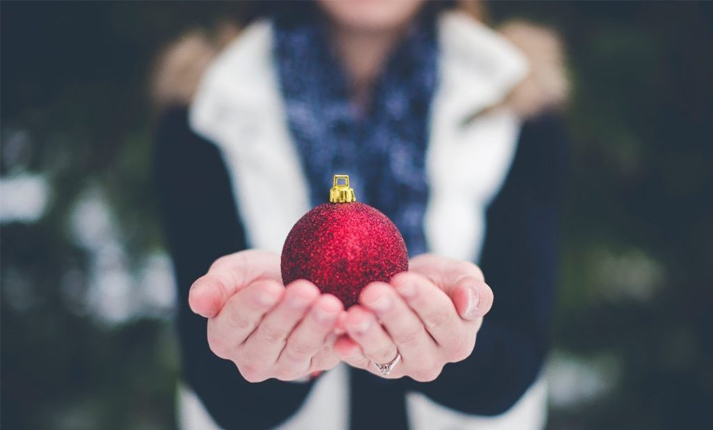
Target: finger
(340, 327)
(444, 271)
(325, 358)
(310, 334)
(241, 315)
(228, 275)
(270, 336)
(351, 353)
(208, 295)
(462, 281)
(402, 324)
(363, 327)
(433, 307)
(472, 298)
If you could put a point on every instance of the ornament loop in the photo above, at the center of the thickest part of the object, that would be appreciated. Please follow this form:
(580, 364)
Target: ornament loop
(341, 193)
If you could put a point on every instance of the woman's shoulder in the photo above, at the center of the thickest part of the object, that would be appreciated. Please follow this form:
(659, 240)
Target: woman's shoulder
(546, 86)
(179, 67)
(176, 75)
(202, 75)
(541, 160)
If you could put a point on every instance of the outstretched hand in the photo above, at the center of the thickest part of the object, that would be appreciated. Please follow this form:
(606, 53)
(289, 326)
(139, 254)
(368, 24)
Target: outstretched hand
(266, 329)
(430, 315)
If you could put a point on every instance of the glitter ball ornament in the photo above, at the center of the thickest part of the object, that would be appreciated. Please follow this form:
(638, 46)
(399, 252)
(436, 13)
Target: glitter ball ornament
(343, 245)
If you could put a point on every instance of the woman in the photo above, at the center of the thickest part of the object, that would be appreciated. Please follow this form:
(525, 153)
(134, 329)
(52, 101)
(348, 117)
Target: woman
(444, 125)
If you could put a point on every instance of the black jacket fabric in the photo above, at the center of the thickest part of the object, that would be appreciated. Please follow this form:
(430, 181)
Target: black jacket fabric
(519, 260)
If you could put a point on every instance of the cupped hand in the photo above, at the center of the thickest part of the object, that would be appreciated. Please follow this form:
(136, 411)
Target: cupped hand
(430, 315)
(266, 329)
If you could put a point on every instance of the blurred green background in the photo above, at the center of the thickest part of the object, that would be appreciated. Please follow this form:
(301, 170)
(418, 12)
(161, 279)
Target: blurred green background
(87, 294)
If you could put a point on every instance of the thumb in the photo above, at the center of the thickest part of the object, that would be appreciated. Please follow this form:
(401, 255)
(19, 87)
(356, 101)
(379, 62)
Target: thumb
(207, 295)
(227, 276)
(472, 297)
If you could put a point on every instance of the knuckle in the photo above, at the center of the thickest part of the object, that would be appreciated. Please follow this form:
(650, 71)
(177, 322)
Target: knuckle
(217, 344)
(385, 355)
(408, 335)
(284, 377)
(249, 358)
(438, 319)
(360, 362)
(271, 334)
(303, 349)
(428, 364)
(470, 269)
(325, 363)
(289, 374)
(428, 374)
(221, 263)
(419, 377)
(290, 356)
(403, 278)
(461, 351)
(251, 373)
(297, 352)
(239, 322)
(434, 374)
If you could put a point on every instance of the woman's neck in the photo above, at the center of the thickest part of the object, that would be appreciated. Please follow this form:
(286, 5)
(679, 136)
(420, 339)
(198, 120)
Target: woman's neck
(363, 55)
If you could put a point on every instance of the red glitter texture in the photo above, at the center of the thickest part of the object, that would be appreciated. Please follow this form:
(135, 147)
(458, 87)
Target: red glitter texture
(342, 247)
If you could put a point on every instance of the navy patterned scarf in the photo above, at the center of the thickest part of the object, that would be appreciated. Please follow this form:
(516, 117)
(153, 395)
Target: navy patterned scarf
(383, 149)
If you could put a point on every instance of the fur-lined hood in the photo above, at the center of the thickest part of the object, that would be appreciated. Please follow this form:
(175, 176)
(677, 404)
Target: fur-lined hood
(181, 66)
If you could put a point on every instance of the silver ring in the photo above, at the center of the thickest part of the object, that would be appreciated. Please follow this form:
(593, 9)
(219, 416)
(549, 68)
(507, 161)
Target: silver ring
(386, 368)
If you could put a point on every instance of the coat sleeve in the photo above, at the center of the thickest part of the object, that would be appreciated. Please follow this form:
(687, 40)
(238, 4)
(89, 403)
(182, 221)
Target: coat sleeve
(201, 224)
(519, 260)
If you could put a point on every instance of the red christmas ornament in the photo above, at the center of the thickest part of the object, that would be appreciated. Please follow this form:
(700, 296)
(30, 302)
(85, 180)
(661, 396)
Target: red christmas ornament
(342, 246)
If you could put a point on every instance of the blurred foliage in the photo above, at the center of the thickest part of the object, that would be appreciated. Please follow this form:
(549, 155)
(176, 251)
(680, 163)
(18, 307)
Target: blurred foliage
(636, 285)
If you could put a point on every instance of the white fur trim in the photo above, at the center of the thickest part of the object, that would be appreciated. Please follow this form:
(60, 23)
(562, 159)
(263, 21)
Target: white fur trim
(467, 163)
(466, 171)
(239, 107)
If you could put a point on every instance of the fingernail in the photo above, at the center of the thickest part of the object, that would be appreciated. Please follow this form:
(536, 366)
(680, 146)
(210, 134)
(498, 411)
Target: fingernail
(380, 304)
(195, 288)
(298, 302)
(362, 327)
(267, 299)
(323, 316)
(342, 321)
(407, 290)
(346, 352)
(473, 302)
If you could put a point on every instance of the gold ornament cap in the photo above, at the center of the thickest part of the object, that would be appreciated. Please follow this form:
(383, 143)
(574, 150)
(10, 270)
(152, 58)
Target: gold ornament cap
(341, 193)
